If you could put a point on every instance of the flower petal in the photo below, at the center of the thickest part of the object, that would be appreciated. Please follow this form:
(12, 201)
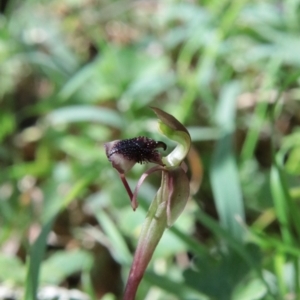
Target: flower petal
(118, 160)
(177, 193)
(134, 203)
(123, 154)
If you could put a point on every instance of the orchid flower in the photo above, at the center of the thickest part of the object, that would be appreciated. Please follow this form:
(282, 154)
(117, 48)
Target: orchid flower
(170, 198)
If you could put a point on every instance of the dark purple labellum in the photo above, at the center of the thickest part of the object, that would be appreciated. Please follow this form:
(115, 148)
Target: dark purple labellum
(140, 149)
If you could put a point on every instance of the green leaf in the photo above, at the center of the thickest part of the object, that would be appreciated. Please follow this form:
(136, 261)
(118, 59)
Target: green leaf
(224, 173)
(116, 243)
(282, 204)
(12, 270)
(38, 248)
(85, 113)
(63, 264)
(181, 289)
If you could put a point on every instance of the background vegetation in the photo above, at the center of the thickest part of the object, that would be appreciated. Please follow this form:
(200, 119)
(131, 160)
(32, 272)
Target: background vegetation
(75, 74)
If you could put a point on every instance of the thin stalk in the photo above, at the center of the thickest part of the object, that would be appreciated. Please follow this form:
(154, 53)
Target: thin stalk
(151, 234)
(128, 189)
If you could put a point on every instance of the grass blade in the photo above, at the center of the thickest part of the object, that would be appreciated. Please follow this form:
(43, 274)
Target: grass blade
(224, 174)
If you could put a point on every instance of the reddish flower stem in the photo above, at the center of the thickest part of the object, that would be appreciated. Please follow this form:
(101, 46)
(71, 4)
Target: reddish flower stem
(152, 231)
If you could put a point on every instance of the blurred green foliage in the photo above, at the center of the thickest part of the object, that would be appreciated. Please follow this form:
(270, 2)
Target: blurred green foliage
(75, 74)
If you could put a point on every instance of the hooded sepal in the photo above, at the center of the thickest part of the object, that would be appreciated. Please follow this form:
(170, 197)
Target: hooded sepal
(174, 130)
